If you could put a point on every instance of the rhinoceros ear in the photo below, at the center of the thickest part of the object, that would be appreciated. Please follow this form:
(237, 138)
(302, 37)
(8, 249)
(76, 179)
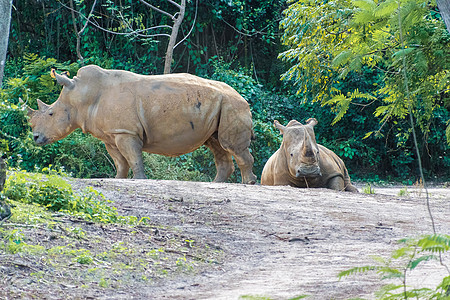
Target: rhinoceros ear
(280, 127)
(42, 105)
(63, 79)
(312, 122)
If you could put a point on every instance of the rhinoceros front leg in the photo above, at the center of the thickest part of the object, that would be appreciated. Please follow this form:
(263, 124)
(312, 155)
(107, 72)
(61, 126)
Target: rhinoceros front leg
(119, 161)
(130, 147)
(222, 159)
(336, 183)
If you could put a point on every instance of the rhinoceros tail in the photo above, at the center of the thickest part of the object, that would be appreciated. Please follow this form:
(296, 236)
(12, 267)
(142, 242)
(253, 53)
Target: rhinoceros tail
(253, 136)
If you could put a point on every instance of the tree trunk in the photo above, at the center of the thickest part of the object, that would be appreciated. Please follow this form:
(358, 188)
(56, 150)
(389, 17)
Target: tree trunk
(173, 37)
(5, 210)
(2, 174)
(444, 9)
(5, 20)
(75, 28)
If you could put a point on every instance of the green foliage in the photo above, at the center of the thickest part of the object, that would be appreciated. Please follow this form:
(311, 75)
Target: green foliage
(414, 252)
(54, 193)
(195, 166)
(239, 79)
(403, 192)
(368, 189)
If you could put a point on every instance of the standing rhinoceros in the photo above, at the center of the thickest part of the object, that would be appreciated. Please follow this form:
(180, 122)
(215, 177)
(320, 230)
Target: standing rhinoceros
(301, 162)
(164, 114)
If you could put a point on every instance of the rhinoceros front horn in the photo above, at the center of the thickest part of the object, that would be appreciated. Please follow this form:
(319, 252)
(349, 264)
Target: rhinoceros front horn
(63, 79)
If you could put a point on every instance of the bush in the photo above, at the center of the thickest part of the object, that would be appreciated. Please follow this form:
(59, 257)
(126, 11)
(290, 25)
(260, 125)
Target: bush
(54, 193)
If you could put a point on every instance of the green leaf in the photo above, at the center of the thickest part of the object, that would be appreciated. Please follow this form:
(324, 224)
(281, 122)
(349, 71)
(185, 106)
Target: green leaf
(363, 17)
(365, 4)
(356, 270)
(342, 58)
(414, 263)
(386, 8)
(403, 52)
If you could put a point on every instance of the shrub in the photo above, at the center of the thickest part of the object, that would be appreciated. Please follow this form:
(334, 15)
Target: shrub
(54, 193)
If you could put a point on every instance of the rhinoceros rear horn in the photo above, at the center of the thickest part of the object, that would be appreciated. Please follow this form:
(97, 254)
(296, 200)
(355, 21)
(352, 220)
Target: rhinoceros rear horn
(29, 111)
(42, 105)
(63, 79)
(312, 122)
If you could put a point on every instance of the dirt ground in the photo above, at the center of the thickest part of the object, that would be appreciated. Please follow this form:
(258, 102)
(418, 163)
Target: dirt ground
(276, 242)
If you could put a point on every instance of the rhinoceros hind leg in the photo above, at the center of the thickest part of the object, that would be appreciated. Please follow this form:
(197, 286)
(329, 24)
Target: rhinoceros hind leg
(245, 162)
(119, 161)
(130, 147)
(222, 158)
(336, 183)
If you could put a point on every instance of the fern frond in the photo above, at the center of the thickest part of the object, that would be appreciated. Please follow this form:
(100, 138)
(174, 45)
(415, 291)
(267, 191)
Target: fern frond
(386, 8)
(368, 5)
(414, 263)
(402, 252)
(388, 273)
(341, 59)
(336, 99)
(357, 270)
(402, 52)
(387, 290)
(435, 243)
(363, 17)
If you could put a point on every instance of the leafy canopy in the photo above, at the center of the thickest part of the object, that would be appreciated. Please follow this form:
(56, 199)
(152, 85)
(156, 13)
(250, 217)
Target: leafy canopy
(328, 40)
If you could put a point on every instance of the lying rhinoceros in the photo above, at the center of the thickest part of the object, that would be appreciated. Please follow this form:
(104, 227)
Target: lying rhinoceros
(164, 114)
(301, 162)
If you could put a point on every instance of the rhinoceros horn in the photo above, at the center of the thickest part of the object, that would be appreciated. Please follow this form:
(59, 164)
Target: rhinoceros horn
(30, 111)
(42, 105)
(279, 126)
(63, 79)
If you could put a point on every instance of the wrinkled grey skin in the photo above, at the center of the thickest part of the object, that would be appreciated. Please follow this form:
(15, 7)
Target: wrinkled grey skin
(301, 162)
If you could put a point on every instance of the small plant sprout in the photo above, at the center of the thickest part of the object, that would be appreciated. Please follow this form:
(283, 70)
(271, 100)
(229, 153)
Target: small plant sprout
(368, 189)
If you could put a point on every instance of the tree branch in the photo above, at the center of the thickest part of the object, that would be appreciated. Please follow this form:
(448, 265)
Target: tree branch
(158, 10)
(89, 16)
(137, 32)
(174, 3)
(193, 24)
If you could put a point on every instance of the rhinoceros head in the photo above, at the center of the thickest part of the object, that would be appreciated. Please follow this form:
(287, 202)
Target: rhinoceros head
(300, 148)
(51, 123)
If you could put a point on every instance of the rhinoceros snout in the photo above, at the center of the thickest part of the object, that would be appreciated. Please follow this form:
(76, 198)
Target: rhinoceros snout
(40, 139)
(309, 171)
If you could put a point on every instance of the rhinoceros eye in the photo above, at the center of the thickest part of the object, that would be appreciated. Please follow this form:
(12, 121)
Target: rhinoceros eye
(292, 154)
(50, 113)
